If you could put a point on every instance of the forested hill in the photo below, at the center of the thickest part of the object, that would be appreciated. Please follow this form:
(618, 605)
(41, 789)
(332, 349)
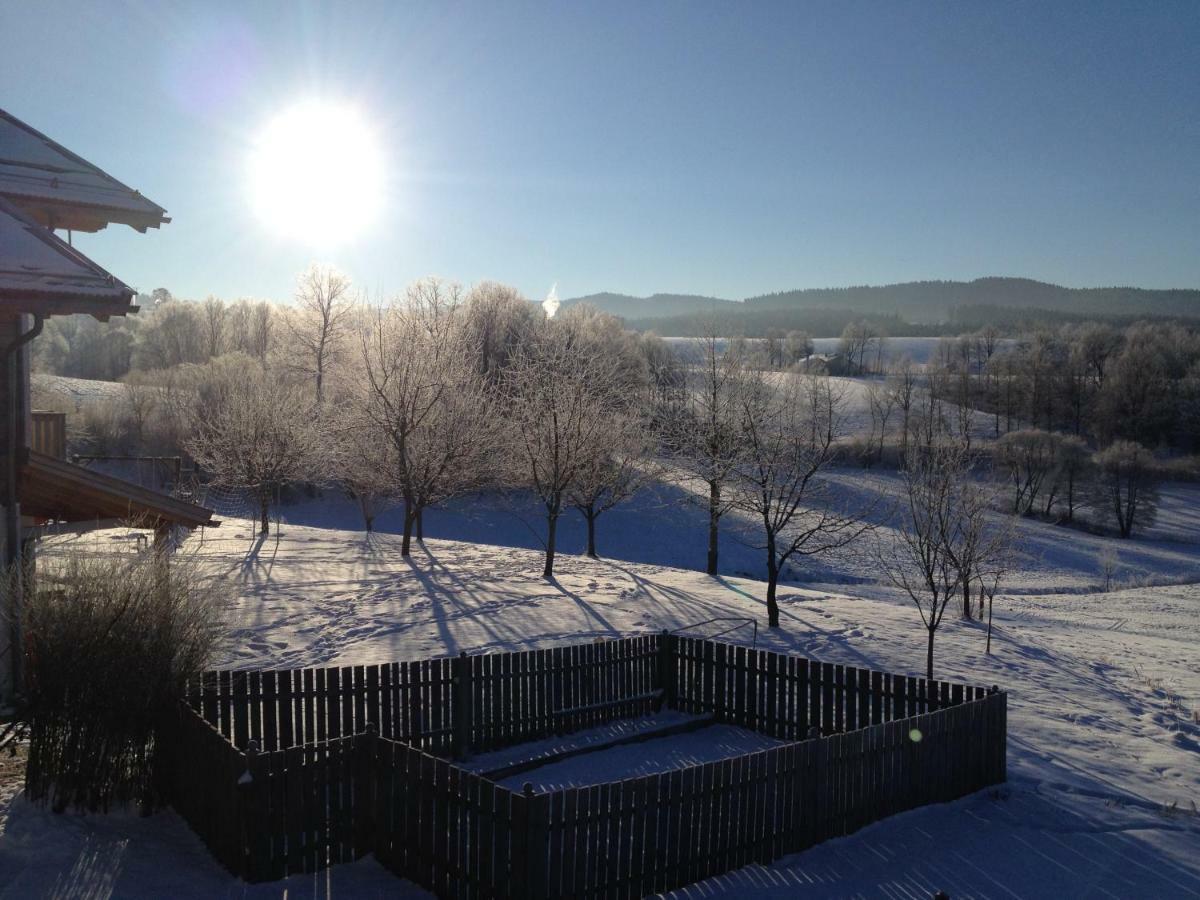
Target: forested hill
(920, 306)
(656, 305)
(937, 301)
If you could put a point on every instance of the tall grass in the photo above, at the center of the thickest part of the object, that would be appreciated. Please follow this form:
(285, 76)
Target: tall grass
(111, 643)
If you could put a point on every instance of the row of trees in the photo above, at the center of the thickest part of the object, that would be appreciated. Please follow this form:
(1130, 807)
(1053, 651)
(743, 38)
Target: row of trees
(445, 392)
(1140, 383)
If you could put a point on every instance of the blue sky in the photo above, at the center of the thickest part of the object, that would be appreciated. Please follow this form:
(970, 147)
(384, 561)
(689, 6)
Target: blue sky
(725, 149)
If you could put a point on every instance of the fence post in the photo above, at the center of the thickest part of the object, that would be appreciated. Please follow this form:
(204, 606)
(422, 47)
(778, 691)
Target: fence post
(251, 792)
(537, 832)
(666, 670)
(364, 790)
(462, 705)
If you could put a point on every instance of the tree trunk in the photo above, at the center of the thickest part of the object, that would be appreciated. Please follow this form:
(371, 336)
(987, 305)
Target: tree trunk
(421, 526)
(551, 532)
(714, 521)
(929, 656)
(1071, 496)
(264, 501)
(991, 604)
(409, 520)
(591, 534)
(772, 584)
(967, 598)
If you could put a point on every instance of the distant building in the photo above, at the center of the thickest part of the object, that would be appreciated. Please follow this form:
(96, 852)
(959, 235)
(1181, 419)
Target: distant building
(44, 187)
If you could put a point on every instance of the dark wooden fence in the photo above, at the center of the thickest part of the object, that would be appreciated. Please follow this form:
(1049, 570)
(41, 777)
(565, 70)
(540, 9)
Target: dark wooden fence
(450, 705)
(286, 772)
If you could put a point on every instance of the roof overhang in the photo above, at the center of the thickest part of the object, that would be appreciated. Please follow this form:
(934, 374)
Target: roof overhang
(41, 273)
(60, 189)
(54, 490)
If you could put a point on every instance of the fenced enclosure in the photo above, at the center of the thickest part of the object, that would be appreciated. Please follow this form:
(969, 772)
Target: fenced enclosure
(291, 771)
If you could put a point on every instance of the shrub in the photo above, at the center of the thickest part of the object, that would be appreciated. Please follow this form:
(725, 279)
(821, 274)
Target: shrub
(110, 644)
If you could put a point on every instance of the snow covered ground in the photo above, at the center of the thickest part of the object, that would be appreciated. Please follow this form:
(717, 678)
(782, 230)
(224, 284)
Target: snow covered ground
(62, 392)
(1104, 744)
(663, 527)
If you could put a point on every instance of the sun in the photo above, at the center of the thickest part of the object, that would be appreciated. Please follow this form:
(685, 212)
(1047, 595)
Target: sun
(316, 173)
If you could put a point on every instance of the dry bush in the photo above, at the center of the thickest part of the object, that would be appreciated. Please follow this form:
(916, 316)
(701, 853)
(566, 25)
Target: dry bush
(110, 645)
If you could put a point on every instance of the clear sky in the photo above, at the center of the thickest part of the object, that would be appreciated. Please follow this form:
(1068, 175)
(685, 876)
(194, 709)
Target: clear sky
(725, 149)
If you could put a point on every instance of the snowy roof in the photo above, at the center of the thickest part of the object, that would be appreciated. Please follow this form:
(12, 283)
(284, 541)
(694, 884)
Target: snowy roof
(40, 272)
(62, 190)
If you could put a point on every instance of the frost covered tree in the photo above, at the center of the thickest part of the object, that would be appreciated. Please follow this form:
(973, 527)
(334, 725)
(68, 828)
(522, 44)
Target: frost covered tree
(941, 517)
(361, 459)
(902, 383)
(498, 319)
(797, 346)
(171, 335)
(423, 395)
(250, 429)
(881, 403)
(614, 472)
(320, 322)
(1129, 484)
(559, 395)
(789, 430)
(214, 316)
(1027, 459)
(703, 438)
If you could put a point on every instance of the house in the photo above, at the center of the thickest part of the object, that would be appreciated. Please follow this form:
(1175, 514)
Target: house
(43, 188)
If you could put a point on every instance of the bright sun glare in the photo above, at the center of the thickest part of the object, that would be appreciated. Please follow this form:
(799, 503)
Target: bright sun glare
(316, 173)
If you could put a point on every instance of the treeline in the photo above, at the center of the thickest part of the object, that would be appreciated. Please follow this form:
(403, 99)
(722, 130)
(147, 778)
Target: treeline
(757, 323)
(165, 333)
(1095, 381)
(933, 301)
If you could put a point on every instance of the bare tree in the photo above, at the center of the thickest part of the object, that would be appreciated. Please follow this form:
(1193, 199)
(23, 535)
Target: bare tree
(939, 515)
(1099, 344)
(320, 321)
(425, 398)
(902, 383)
(250, 429)
(557, 393)
(704, 438)
(1072, 462)
(1129, 479)
(1110, 562)
(667, 377)
(498, 320)
(856, 343)
(1028, 459)
(798, 345)
(991, 574)
(260, 338)
(171, 335)
(881, 401)
(614, 473)
(789, 431)
(362, 458)
(214, 315)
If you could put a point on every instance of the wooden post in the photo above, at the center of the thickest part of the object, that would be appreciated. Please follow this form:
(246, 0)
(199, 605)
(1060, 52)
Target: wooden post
(364, 790)
(251, 790)
(462, 705)
(537, 824)
(666, 670)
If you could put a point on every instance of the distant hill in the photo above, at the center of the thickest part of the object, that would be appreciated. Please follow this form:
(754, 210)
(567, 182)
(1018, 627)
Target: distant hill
(919, 307)
(939, 301)
(657, 306)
